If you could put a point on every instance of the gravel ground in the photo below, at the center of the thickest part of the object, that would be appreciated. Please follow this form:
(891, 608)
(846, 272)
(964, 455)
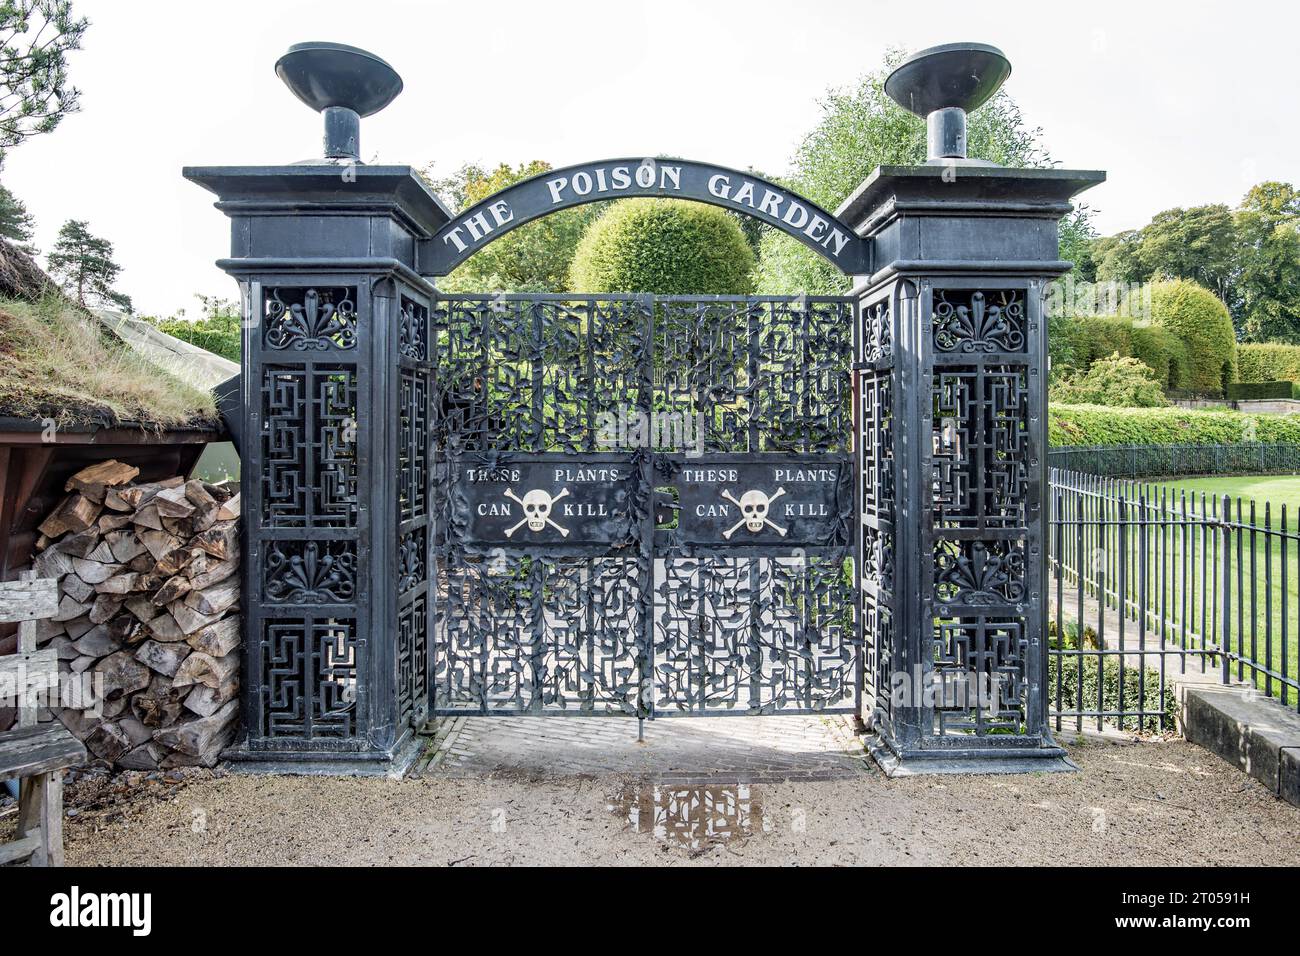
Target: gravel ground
(1162, 803)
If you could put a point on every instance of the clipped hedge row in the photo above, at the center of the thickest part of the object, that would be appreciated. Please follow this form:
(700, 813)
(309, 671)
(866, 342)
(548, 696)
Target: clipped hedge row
(1090, 338)
(1268, 362)
(1255, 391)
(1103, 425)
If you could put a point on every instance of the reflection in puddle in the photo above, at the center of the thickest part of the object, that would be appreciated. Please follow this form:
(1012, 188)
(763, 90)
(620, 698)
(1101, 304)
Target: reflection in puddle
(694, 818)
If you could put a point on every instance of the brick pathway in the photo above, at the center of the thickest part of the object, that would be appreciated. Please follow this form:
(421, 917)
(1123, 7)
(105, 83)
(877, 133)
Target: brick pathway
(688, 751)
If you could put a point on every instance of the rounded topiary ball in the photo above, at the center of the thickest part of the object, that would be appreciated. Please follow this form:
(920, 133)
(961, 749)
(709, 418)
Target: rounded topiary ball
(665, 247)
(1195, 314)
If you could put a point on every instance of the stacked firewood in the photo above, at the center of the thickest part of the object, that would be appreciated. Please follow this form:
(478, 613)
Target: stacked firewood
(148, 609)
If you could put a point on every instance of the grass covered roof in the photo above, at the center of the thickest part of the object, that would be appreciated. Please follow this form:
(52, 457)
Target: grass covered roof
(59, 362)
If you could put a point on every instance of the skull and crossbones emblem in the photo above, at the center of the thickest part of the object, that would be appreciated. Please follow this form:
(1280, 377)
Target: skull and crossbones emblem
(537, 505)
(754, 506)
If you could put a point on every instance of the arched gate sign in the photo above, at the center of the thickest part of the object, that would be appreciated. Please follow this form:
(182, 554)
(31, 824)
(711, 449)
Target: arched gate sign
(558, 189)
(637, 505)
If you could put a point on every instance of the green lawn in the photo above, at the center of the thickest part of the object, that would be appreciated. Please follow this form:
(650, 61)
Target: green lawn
(1191, 565)
(1280, 490)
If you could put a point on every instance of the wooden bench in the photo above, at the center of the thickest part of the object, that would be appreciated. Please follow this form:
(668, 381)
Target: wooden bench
(34, 752)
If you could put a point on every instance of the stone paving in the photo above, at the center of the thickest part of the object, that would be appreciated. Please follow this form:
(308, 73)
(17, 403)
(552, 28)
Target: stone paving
(693, 751)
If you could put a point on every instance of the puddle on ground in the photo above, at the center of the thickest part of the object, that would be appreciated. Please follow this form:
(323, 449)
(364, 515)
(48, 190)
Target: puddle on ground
(692, 818)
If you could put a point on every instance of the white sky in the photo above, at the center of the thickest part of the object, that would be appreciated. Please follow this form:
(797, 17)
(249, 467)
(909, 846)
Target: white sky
(1182, 103)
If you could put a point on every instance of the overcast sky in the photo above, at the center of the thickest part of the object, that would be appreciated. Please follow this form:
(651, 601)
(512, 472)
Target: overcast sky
(1182, 103)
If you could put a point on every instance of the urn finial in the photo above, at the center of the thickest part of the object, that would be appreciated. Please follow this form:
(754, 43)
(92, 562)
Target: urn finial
(942, 84)
(344, 84)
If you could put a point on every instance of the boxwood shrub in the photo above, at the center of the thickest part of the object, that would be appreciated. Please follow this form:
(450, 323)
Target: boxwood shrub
(665, 247)
(1088, 339)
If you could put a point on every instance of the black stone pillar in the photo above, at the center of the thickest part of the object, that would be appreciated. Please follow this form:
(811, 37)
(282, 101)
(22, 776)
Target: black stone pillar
(335, 478)
(951, 371)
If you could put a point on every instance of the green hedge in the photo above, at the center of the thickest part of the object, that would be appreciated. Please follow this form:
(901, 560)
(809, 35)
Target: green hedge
(1164, 353)
(1248, 391)
(1196, 316)
(1141, 692)
(219, 335)
(1090, 338)
(1101, 683)
(1102, 425)
(1268, 362)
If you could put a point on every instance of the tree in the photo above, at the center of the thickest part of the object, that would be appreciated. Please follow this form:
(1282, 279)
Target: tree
(35, 38)
(1197, 244)
(534, 257)
(664, 246)
(1268, 281)
(861, 128)
(218, 330)
(16, 223)
(83, 264)
(1117, 258)
(1249, 257)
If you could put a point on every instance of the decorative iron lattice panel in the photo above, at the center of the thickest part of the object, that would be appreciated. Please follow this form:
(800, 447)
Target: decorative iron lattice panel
(556, 421)
(306, 505)
(875, 377)
(310, 666)
(309, 415)
(414, 488)
(980, 541)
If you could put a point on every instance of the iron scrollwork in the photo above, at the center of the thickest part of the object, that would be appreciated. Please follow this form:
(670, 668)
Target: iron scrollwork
(310, 572)
(311, 319)
(974, 322)
(642, 624)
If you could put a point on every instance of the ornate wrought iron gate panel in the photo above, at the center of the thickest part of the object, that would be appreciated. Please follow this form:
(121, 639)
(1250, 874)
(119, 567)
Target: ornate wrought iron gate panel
(643, 506)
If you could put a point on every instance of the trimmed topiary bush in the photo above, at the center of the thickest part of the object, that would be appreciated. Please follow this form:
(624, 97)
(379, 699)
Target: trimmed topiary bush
(1196, 316)
(1099, 337)
(1268, 362)
(1115, 380)
(1078, 342)
(666, 247)
(1164, 353)
(1102, 425)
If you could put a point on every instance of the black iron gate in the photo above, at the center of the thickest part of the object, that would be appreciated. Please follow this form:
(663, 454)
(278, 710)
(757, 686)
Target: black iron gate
(643, 506)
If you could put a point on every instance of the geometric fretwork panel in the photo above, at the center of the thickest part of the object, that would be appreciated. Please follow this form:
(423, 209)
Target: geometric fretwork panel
(412, 663)
(876, 493)
(878, 637)
(309, 474)
(980, 434)
(412, 445)
(502, 648)
(310, 677)
(876, 421)
(979, 664)
(754, 635)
